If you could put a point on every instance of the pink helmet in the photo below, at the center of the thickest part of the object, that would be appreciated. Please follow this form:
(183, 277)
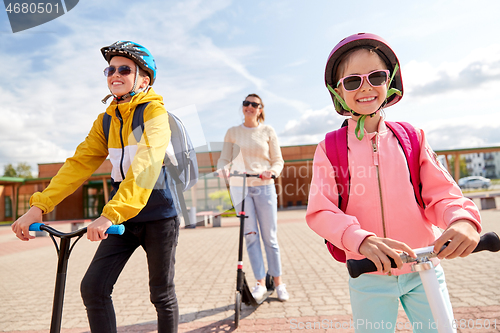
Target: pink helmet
(382, 48)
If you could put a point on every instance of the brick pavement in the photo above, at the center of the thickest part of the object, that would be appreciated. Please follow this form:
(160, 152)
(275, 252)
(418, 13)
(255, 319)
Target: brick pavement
(205, 280)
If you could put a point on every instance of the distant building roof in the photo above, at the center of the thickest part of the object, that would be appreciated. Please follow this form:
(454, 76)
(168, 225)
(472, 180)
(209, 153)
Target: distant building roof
(10, 180)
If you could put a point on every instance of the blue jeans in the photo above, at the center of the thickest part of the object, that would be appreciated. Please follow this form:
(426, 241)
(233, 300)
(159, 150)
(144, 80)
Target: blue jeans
(159, 240)
(375, 299)
(261, 207)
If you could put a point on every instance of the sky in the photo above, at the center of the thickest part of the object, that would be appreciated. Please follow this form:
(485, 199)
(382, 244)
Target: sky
(211, 54)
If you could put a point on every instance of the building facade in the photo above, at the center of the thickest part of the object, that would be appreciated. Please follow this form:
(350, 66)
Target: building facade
(292, 186)
(483, 164)
(89, 199)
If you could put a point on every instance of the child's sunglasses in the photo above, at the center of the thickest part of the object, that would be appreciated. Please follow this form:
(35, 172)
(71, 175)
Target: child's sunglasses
(354, 82)
(253, 104)
(123, 70)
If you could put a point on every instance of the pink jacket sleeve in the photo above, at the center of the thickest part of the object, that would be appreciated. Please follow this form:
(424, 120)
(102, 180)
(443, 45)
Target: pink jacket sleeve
(323, 214)
(444, 200)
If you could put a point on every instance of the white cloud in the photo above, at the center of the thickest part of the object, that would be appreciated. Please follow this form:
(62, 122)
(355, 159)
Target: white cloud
(212, 53)
(296, 63)
(311, 127)
(478, 68)
(463, 132)
(53, 108)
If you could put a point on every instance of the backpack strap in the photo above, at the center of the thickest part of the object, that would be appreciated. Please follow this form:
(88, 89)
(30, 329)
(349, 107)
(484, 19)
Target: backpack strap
(106, 123)
(336, 151)
(138, 120)
(408, 140)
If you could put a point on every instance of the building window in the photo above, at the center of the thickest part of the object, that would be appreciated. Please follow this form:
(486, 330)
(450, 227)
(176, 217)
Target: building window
(93, 199)
(23, 204)
(8, 206)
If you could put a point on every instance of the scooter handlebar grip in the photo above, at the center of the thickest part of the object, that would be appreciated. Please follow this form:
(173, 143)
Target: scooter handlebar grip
(118, 229)
(358, 267)
(489, 241)
(260, 176)
(236, 173)
(36, 227)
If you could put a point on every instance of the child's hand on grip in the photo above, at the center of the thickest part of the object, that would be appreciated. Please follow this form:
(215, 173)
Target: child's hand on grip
(463, 237)
(379, 249)
(22, 224)
(96, 231)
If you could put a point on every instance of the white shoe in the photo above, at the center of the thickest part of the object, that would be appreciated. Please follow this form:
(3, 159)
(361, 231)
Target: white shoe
(282, 293)
(258, 291)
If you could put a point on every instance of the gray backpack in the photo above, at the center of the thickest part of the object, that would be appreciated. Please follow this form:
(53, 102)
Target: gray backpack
(180, 157)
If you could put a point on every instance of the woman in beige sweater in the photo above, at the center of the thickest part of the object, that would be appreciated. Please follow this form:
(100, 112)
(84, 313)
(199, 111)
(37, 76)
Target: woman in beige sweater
(252, 147)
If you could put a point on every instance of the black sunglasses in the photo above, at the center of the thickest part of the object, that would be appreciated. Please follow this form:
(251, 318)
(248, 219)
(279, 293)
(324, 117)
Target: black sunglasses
(123, 70)
(253, 104)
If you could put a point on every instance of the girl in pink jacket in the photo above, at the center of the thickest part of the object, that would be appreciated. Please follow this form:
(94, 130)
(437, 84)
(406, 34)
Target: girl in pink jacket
(382, 217)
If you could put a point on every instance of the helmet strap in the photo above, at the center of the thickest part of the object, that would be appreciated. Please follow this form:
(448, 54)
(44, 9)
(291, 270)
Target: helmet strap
(393, 91)
(105, 99)
(132, 92)
(339, 101)
(360, 127)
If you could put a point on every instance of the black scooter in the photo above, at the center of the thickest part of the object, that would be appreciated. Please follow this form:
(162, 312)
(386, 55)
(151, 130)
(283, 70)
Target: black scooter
(243, 293)
(63, 251)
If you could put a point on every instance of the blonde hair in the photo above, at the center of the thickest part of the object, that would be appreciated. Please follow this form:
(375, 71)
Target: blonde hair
(261, 117)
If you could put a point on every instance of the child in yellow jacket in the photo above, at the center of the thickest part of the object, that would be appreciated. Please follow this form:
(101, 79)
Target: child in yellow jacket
(141, 201)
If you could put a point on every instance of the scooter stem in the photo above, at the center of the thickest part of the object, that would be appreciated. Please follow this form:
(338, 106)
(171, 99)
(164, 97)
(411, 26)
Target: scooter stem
(240, 275)
(62, 268)
(442, 318)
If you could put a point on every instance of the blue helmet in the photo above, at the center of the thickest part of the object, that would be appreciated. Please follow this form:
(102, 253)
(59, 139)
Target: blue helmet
(136, 52)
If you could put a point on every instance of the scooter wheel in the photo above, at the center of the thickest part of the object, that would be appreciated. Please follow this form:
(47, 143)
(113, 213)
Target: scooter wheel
(269, 282)
(237, 309)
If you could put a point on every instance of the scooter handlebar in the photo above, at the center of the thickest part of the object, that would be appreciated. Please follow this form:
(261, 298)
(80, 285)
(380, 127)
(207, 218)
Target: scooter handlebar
(258, 176)
(237, 174)
(358, 267)
(36, 227)
(113, 230)
(488, 241)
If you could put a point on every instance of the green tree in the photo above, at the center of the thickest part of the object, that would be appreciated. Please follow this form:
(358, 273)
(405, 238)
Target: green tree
(22, 170)
(9, 171)
(223, 196)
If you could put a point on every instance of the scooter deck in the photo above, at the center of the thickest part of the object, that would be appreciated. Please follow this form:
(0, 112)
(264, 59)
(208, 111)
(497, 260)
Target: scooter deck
(247, 297)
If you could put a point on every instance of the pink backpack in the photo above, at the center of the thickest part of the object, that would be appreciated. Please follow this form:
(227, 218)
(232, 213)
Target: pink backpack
(336, 151)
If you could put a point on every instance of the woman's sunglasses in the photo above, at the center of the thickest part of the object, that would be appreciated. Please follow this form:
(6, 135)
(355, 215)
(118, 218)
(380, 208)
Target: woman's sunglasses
(253, 104)
(354, 82)
(122, 70)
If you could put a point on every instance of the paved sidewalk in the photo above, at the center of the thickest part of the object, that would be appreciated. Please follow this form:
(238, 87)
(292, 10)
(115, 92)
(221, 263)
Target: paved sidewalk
(206, 281)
